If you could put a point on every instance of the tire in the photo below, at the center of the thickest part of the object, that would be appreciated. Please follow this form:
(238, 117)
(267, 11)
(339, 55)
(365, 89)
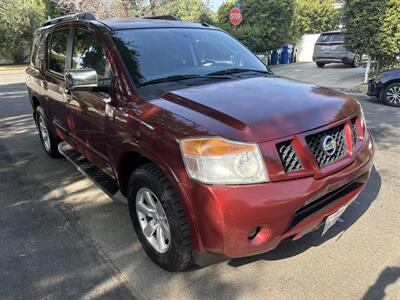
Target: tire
(46, 134)
(149, 179)
(320, 65)
(391, 94)
(356, 61)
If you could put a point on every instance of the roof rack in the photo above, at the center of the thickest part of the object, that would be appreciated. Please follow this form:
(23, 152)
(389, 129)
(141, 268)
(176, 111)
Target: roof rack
(78, 16)
(167, 17)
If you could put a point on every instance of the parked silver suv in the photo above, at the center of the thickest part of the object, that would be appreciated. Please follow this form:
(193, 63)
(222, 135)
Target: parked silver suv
(329, 48)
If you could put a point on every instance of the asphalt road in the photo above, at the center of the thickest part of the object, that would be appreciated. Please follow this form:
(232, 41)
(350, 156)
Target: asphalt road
(61, 237)
(332, 75)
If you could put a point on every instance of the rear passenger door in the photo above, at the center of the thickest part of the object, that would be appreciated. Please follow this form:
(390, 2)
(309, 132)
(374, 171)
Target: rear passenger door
(57, 63)
(89, 107)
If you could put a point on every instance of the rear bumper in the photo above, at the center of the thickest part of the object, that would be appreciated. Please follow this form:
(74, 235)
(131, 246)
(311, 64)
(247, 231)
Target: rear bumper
(345, 58)
(226, 214)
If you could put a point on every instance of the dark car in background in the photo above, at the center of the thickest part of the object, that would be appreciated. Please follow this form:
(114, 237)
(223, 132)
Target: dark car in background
(330, 48)
(386, 87)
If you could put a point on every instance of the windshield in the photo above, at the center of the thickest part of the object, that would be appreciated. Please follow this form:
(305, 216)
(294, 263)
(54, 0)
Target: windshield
(156, 53)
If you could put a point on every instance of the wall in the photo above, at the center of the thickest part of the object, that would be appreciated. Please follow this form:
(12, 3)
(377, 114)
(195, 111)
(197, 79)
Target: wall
(305, 47)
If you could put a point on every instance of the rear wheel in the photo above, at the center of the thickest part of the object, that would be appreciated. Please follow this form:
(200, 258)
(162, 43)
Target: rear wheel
(356, 61)
(391, 94)
(320, 65)
(47, 137)
(159, 219)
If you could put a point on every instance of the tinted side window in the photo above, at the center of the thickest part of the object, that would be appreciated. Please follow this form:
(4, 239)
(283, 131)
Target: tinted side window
(88, 54)
(58, 50)
(337, 38)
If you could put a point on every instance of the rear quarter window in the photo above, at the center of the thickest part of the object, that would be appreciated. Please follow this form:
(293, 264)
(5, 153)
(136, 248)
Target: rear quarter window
(34, 59)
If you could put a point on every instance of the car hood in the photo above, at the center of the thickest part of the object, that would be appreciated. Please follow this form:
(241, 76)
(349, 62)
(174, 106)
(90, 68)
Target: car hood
(259, 109)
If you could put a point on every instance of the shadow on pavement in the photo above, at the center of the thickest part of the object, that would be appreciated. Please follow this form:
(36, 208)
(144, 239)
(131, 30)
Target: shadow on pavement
(387, 277)
(383, 129)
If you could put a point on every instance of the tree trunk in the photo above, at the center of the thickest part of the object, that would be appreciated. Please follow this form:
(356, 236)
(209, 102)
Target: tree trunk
(367, 69)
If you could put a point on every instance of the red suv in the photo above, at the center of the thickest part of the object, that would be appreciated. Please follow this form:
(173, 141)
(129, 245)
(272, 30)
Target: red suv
(216, 156)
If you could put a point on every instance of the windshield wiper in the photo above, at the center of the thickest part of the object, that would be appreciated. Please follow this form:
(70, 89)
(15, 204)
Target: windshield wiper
(236, 71)
(182, 77)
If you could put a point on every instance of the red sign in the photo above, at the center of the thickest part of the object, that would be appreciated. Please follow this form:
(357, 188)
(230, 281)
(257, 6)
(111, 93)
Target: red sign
(235, 16)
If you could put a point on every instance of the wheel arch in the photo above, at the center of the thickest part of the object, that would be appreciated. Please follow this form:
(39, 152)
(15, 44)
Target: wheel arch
(132, 158)
(395, 80)
(386, 84)
(35, 102)
(128, 162)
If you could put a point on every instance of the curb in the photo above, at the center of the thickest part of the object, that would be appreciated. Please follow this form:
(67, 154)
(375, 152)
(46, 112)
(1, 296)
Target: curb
(12, 68)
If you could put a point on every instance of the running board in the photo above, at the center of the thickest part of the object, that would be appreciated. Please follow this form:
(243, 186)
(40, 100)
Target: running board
(88, 169)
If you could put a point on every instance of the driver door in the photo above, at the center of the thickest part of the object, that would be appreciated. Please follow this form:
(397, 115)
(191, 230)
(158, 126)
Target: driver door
(87, 127)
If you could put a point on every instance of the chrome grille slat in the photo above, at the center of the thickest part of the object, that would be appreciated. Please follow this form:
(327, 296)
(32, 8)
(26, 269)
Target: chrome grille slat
(289, 158)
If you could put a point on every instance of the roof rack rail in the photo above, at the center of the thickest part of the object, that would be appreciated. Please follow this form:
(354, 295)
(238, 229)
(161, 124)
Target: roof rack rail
(167, 17)
(77, 16)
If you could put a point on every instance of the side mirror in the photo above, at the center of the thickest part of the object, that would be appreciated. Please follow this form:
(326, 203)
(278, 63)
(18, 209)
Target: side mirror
(82, 79)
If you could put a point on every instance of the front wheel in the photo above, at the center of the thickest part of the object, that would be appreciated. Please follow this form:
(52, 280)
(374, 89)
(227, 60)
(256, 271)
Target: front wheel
(391, 94)
(47, 137)
(159, 219)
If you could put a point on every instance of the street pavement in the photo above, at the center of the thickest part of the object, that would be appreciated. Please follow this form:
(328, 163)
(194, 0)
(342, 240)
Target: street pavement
(62, 237)
(338, 76)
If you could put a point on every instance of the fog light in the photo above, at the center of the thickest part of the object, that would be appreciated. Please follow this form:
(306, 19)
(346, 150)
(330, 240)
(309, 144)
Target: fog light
(259, 235)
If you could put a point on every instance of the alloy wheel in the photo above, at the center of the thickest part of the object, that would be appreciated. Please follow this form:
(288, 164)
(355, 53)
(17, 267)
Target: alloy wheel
(357, 60)
(393, 95)
(153, 220)
(44, 133)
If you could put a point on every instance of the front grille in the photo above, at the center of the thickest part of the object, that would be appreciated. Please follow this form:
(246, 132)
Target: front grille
(315, 142)
(289, 157)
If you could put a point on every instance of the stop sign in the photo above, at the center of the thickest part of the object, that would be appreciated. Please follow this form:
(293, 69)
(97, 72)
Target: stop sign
(235, 16)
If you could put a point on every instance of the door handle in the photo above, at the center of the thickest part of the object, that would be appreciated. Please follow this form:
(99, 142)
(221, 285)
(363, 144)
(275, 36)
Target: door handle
(43, 84)
(67, 96)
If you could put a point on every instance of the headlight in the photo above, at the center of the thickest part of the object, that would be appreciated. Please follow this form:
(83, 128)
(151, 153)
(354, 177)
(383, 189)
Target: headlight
(379, 77)
(219, 161)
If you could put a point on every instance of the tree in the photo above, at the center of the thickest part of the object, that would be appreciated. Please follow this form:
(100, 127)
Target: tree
(315, 16)
(373, 28)
(187, 10)
(267, 24)
(52, 10)
(18, 21)
(108, 9)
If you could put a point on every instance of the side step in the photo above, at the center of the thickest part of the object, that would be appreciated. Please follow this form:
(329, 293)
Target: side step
(87, 168)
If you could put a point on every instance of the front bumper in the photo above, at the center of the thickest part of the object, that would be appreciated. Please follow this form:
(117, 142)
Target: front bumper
(226, 214)
(375, 88)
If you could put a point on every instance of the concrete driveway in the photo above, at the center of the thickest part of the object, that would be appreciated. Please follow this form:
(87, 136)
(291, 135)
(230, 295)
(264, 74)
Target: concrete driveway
(61, 237)
(338, 76)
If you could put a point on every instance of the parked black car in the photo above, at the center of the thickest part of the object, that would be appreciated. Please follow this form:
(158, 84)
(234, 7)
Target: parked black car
(386, 87)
